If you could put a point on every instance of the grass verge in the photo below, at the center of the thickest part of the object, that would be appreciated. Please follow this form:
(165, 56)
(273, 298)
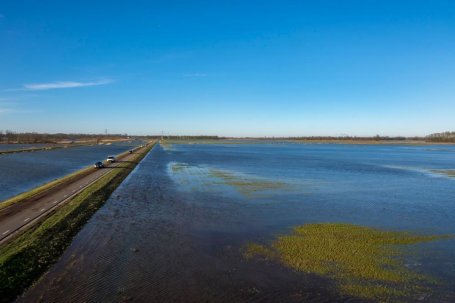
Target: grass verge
(364, 262)
(43, 189)
(26, 258)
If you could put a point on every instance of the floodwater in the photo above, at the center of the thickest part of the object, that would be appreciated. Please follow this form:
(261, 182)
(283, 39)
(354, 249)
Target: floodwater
(5, 146)
(175, 229)
(21, 172)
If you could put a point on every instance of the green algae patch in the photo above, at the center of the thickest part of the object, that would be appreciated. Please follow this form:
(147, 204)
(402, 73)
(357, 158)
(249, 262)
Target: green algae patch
(364, 262)
(246, 186)
(445, 172)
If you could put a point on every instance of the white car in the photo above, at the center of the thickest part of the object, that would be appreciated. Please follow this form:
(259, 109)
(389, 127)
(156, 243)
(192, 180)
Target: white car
(110, 159)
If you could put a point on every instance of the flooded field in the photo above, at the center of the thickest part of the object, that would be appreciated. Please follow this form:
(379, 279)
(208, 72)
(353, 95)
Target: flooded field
(21, 172)
(269, 223)
(4, 147)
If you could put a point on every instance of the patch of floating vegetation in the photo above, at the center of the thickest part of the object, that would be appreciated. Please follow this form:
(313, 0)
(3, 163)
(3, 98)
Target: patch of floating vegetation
(445, 172)
(364, 262)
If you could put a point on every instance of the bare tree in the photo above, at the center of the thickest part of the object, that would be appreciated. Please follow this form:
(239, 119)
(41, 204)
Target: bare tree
(9, 136)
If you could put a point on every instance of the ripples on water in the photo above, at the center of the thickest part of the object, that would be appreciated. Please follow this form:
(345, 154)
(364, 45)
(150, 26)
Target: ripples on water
(165, 236)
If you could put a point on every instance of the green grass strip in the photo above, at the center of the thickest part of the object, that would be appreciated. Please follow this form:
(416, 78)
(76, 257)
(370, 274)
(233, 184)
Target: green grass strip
(42, 189)
(26, 258)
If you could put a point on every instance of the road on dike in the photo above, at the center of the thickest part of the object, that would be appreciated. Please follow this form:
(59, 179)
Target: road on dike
(14, 219)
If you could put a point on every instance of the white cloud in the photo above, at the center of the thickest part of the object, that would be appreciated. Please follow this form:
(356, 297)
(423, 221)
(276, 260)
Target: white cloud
(63, 84)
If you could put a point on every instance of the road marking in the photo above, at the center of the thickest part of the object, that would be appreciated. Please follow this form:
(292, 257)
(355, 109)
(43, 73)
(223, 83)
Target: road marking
(65, 196)
(55, 202)
(80, 186)
(25, 220)
(6, 232)
(42, 209)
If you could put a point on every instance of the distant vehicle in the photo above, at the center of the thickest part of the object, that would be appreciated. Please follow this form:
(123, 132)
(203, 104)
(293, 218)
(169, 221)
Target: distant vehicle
(110, 159)
(98, 165)
(130, 151)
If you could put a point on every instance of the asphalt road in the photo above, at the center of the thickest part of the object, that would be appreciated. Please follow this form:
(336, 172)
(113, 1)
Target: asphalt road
(33, 212)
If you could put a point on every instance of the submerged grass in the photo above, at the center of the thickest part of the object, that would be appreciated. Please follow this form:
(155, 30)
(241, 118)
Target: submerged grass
(365, 262)
(179, 167)
(446, 172)
(26, 258)
(207, 177)
(245, 186)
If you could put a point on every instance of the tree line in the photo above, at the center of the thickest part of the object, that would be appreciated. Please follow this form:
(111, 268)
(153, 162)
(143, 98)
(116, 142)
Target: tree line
(441, 137)
(9, 136)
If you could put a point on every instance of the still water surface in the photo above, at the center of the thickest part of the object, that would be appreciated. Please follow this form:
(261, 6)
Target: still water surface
(21, 172)
(175, 229)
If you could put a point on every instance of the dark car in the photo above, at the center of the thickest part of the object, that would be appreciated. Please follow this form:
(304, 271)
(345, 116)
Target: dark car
(98, 165)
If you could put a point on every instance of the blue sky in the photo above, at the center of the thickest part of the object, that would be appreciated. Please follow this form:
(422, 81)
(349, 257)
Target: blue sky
(237, 68)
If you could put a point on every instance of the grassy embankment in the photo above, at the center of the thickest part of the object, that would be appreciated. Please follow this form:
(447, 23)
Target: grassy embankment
(364, 262)
(26, 258)
(43, 189)
(39, 191)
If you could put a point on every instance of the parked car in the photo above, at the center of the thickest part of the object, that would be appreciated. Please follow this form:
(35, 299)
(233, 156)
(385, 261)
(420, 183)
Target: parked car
(110, 159)
(98, 165)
